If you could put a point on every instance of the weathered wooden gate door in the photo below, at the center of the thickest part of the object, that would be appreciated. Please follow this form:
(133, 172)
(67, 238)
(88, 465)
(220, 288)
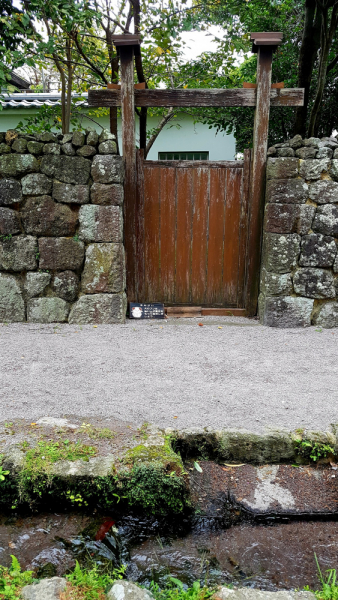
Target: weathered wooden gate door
(191, 233)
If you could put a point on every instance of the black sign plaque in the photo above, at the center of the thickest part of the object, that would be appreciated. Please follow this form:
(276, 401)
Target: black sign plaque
(153, 310)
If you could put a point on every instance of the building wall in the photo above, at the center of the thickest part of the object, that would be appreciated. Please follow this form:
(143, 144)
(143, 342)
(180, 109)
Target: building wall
(180, 135)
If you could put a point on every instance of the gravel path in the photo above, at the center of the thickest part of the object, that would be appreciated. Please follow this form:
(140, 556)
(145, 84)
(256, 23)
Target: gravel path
(229, 373)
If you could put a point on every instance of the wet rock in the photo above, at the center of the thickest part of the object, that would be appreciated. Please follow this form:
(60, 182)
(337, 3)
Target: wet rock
(99, 308)
(276, 284)
(36, 184)
(314, 283)
(107, 169)
(108, 147)
(286, 191)
(51, 149)
(19, 146)
(104, 269)
(9, 222)
(66, 285)
(285, 311)
(324, 192)
(12, 306)
(5, 149)
(47, 310)
(46, 137)
(92, 138)
(125, 590)
(334, 169)
(105, 135)
(224, 593)
(104, 194)
(288, 218)
(312, 169)
(317, 250)
(78, 139)
(36, 283)
(10, 192)
(42, 216)
(100, 223)
(326, 220)
(324, 153)
(14, 165)
(60, 254)
(285, 152)
(282, 168)
(19, 253)
(327, 315)
(68, 169)
(72, 194)
(86, 151)
(68, 150)
(280, 252)
(47, 589)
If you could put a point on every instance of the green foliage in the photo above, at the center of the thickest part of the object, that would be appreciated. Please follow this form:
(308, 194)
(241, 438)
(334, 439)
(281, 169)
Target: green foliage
(312, 450)
(91, 584)
(177, 591)
(13, 579)
(48, 118)
(329, 589)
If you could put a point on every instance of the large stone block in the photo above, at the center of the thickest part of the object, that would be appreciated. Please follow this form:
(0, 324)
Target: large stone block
(10, 192)
(51, 149)
(72, 194)
(47, 310)
(288, 218)
(9, 222)
(286, 311)
(107, 194)
(326, 220)
(108, 147)
(287, 191)
(92, 138)
(68, 149)
(5, 149)
(60, 254)
(12, 306)
(104, 269)
(334, 169)
(36, 283)
(312, 169)
(19, 146)
(36, 184)
(327, 315)
(280, 252)
(307, 152)
(42, 216)
(66, 285)
(68, 169)
(314, 283)
(276, 284)
(14, 165)
(35, 147)
(317, 250)
(78, 139)
(86, 151)
(108, 169)
(99, 308)
(324, 153)
(100, 223)
(324, 191)
(19, 253)
(282, 168)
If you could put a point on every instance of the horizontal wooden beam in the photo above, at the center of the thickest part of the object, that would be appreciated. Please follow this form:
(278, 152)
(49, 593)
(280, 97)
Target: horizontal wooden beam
(197, 164)
(199, 97)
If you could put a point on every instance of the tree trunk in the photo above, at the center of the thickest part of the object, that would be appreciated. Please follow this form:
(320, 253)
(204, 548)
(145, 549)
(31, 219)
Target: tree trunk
(140, 77)
(161, 124)
(307, 56)
(69, 86)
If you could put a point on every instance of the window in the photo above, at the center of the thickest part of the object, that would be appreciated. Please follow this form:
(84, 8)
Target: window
(183, 156)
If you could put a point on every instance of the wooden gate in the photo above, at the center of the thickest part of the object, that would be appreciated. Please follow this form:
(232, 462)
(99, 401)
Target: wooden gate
(191, 233)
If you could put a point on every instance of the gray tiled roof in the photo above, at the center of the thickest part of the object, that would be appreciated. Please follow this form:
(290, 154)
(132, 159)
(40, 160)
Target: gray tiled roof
(32, 100)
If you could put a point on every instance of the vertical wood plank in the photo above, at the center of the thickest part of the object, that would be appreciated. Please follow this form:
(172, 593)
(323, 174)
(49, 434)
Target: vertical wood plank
(152, 234)
(128, 142)
(232, 235)
(183, 235)
(214, 288)
(138, 262)
(260, 143)
(199, 234)
(245, 197)
(167, 233)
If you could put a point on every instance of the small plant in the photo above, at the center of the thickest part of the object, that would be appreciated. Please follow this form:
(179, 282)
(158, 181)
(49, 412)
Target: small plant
(4, 237)
(176, 591)
(13, 579)
(329, 585)
(3, 474)
(76, 237)
(76, 499)
(313, 450)
(91, 584)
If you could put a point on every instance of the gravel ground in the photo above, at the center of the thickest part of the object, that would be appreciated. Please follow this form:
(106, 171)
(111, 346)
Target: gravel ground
(229, 373)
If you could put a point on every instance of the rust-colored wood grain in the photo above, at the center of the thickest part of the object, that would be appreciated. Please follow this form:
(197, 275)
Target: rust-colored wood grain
(232, 235)
(218, 194)
(151, 235)
(200, 222)
(244, 219)
(184, 203)
(167, 235)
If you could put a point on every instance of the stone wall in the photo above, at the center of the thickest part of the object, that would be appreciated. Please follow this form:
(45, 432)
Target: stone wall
(61, 229)
(299, 275)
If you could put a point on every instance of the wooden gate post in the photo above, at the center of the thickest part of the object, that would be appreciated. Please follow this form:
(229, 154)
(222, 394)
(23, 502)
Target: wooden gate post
(264, 44)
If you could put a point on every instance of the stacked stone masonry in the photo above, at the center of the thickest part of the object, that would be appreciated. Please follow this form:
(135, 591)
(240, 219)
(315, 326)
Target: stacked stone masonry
(61, 228)
(299, 274)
